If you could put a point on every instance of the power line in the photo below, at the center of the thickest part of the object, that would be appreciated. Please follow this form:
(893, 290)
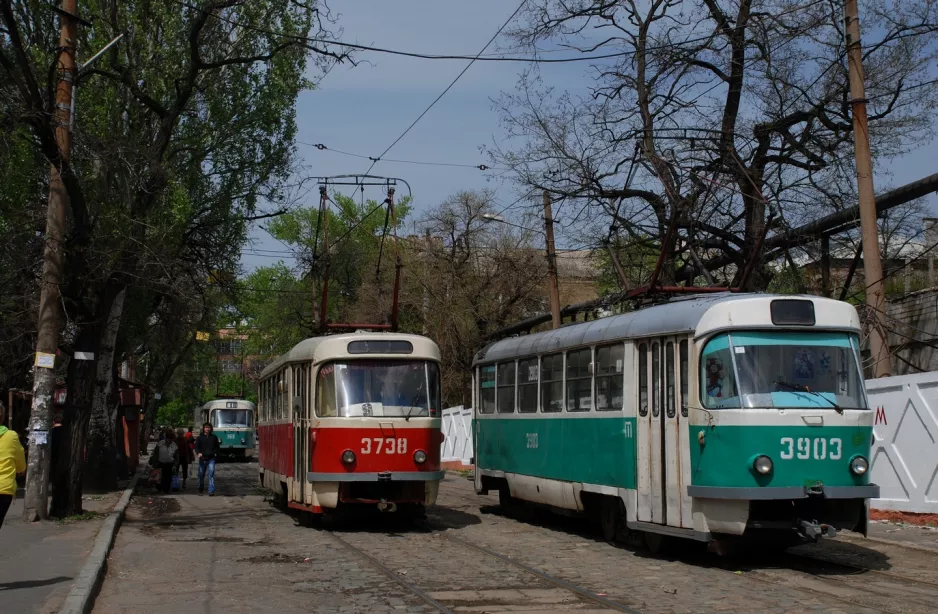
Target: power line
(448, 87)
(323, 147)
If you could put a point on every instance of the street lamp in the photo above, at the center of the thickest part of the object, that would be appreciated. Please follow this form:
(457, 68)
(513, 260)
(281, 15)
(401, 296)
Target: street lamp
(551, 254)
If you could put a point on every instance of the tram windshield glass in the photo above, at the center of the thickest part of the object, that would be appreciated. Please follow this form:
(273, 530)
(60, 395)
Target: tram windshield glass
(379, 388)
(807, 370)
(231, 418)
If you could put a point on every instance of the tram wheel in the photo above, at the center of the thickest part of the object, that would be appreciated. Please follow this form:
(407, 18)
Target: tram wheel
(657, 543)
(505, 501)
(611, 518)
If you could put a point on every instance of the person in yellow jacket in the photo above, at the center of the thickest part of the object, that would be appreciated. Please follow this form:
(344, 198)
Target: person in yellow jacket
(12, 462)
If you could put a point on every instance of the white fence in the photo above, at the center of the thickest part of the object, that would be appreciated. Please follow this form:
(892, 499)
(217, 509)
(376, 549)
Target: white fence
(457, 426)
(905, 452)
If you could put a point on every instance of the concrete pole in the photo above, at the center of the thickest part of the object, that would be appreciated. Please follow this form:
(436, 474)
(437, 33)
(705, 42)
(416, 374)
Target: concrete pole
(551, 263)
(36, 502)
(872, 260)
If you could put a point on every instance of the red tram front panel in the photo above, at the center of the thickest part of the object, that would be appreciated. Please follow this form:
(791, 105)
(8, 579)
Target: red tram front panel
(388, 448)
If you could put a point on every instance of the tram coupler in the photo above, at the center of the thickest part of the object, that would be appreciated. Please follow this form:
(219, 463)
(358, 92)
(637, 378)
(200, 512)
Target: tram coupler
(384, 506)
(812, 530)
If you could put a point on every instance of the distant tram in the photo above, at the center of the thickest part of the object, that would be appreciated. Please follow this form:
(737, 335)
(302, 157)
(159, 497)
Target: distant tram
(353, 420)
(726, 417)
(233, 421)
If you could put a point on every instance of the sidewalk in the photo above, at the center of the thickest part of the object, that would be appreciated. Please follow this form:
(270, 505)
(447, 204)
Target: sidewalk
(39, 561)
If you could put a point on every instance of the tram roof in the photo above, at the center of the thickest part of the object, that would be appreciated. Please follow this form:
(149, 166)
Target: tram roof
(223, 404)
(685, 315)
(330, 347)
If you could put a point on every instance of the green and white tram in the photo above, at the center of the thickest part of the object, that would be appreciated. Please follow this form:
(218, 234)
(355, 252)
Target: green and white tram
(705, 417)
(234, 422)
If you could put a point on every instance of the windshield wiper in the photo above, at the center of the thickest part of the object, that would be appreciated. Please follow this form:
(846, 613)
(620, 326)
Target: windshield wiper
(801, 388)
(413, 405)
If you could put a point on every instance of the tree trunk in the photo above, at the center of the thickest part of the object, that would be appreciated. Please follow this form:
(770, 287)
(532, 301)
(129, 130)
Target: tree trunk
(101, 463)
(69, 455)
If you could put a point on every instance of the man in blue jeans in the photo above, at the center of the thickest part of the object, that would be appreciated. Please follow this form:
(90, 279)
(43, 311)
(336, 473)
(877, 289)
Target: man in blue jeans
(206, 448)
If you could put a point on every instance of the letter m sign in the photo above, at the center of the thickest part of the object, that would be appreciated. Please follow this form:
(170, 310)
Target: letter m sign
(880, 416)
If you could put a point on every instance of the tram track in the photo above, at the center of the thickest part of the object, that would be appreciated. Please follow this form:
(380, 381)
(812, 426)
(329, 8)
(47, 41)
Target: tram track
(438, 604)
(811, 573)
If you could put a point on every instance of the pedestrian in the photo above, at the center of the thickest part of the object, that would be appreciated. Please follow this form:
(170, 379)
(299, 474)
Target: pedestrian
(168, 457)
(206, 449)
(12, 463)
(186, 455)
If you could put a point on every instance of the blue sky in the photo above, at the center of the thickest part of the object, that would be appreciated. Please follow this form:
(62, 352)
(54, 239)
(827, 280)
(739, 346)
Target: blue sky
(363, 109)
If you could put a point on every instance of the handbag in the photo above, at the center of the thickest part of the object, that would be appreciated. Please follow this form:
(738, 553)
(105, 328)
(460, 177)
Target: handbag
(177, 483)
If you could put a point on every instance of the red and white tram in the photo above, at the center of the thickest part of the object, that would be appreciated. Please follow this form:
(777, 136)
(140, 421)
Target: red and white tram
(352, 419)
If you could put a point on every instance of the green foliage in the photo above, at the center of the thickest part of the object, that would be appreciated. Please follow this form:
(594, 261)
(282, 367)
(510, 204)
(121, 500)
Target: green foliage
(279, 308)
(176, 413)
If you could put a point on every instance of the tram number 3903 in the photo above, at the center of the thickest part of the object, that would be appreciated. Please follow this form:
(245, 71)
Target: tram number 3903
(384, 445)
(818, 448)
(531, 440)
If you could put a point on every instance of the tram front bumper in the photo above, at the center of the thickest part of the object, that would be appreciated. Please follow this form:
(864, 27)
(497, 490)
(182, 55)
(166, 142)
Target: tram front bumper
(867, 491)
(389, 476)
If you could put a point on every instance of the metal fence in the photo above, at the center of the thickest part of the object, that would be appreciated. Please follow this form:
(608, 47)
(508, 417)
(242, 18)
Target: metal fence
(905, 452)
(457, 427)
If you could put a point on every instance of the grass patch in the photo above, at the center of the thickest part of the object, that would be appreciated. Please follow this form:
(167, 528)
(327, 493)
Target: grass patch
(80, 517)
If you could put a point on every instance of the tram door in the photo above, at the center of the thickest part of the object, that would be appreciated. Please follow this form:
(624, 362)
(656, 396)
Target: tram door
(659, 458)
(300, 391)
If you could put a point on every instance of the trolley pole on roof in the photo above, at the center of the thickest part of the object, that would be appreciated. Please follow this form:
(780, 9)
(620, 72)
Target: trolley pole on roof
(872, 262)
(551, 262)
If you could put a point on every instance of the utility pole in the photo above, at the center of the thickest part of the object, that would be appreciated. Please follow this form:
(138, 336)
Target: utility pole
(551, 262)
(872, 262)
(36, 506)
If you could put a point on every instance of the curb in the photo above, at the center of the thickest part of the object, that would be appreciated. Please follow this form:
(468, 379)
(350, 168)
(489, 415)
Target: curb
(81, 598)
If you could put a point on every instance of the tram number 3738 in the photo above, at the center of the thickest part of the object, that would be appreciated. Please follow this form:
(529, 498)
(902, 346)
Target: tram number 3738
(383, 445)
(819, 448)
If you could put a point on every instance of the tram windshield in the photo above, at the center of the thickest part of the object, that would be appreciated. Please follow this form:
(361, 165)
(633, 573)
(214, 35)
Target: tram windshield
(231, 418)
(806, 370)
(381, 388)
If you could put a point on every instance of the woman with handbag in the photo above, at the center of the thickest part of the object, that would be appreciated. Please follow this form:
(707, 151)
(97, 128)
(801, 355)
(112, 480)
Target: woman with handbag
(167, 455)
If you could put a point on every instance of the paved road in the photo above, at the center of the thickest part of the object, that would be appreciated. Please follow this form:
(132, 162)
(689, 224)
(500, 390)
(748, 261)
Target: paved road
(235, 552)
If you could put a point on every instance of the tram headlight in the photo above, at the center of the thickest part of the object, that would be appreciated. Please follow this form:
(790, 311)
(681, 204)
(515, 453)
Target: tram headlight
(762, 464)
(348, 457)
(859, 465)
(420, 457)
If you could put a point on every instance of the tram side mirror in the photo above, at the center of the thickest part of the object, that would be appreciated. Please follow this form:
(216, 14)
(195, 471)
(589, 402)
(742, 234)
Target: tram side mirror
(280, 386)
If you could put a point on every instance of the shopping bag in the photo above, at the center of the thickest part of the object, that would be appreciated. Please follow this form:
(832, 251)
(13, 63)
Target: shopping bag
(177, 482)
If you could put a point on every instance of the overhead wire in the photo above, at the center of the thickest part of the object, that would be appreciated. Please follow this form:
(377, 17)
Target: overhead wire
(323, 147)
(448, 87)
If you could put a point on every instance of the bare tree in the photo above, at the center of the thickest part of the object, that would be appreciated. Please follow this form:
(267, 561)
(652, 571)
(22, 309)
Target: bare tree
(468, 276)
(733, 117)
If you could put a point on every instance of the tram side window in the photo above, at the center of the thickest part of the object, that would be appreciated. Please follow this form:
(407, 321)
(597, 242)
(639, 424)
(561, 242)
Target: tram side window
(487, 389)
(670, 391)
(609, 377)
(325, 393)
(527, 386)
(717, 376)
(506, 387)
(552, 383)
(579, 380)
(643, 380)
(655, 379)
(685, 382)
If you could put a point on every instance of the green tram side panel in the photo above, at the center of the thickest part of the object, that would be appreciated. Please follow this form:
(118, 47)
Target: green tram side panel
(589, 450)
(725, 459)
